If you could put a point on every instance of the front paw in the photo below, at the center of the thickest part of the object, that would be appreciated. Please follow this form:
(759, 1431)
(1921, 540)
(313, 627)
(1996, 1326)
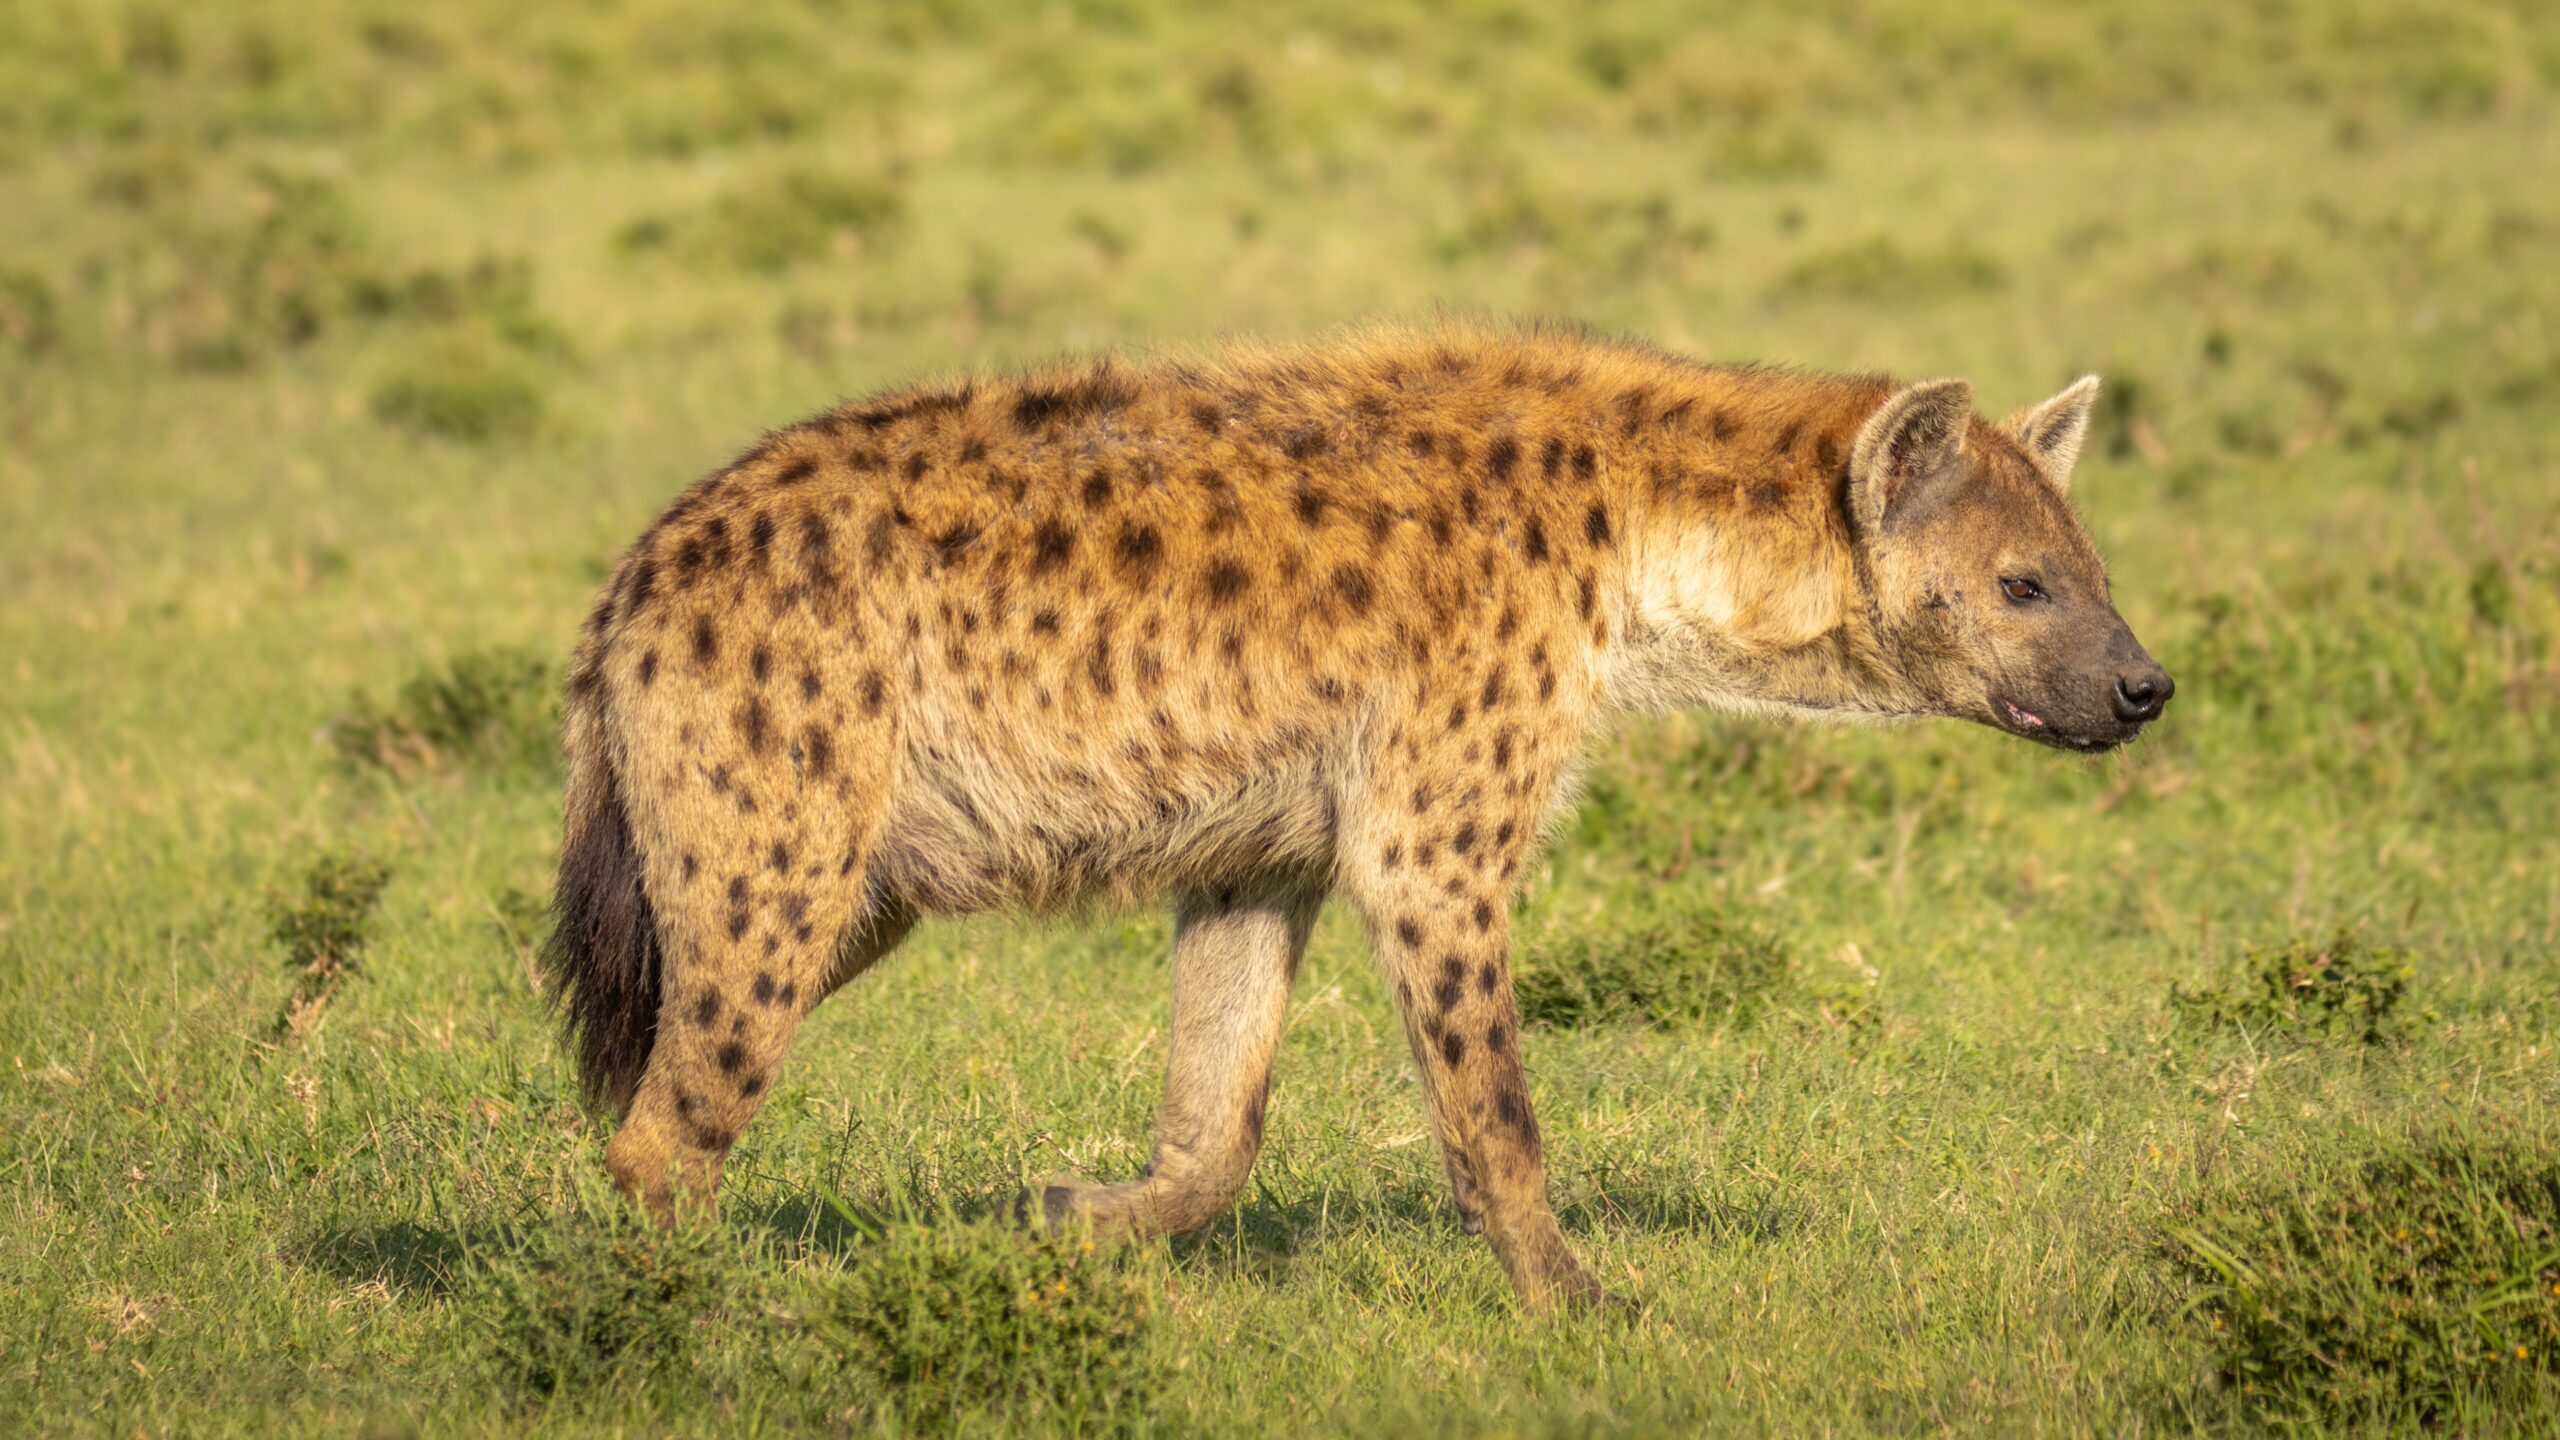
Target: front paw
(1052, 1203)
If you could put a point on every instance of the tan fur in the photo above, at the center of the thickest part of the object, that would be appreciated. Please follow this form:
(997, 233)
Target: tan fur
(1298, 622)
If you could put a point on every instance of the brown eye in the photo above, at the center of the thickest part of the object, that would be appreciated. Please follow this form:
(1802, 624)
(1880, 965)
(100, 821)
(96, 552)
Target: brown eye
(2021, 589)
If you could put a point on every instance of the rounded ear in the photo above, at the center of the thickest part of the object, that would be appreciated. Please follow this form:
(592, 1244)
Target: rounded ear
(2051, 432)
(1916, 436)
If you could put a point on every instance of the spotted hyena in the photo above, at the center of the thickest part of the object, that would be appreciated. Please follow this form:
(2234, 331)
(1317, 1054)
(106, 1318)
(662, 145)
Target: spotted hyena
(1251, 633)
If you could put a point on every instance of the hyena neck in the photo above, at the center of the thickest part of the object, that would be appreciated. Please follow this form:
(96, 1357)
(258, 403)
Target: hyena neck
(1744, 589)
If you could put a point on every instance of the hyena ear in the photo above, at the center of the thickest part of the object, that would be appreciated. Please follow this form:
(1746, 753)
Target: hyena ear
(1916, 437)
(2051, 433)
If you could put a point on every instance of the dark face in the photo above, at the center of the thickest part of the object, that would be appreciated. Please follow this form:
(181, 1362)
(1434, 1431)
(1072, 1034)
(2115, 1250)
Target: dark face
(1989, 591)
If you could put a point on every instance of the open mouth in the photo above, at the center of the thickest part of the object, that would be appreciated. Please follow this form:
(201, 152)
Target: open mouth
(2023, 721)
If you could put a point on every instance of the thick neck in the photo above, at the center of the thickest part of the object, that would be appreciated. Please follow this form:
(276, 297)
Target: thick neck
(1744, 583)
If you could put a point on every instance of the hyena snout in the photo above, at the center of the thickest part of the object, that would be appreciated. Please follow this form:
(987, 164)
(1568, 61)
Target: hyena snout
(2142, 692)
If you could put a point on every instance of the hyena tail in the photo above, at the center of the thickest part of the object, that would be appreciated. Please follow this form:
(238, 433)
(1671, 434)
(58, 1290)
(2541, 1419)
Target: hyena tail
(603, 957)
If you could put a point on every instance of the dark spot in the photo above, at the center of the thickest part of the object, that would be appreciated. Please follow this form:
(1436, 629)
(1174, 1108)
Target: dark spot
(1488, 976)
(649, 668)
(737, 924)
(1044, 622)
(1036, 408)
(706, 642)
(916, 465)
(1551, 457)
(973, 450)
(874, 691)
(1139, 548)
(795, 472)
(1409, 932)
(819, 746)
(1453, 983)
(1501, 457)
(790, 992)
(764, 987)
(817, 550)
(1595, 526)
(732, 1057)
(1585, 595)
(1502, 834)
(760, 664)
(809, 686)
(1453, 1048)
(1392, 856)
(1311, 503)
(1224, 581)
(1502, 751)
(781, 856)
(1719, 425)
(1421, 442)
(1786, 443)
(737, 889)
(1206, 416)
(948, 545)
(1493, 689)
(1051, 544)
(1826, 454)
(1769, 495)
(1097, 664)
(751, 1087)
(692, 866)
(1585, 463)
(1302, 442)
(750, 718)
(1513, 1107)
(1496, 1035)
(706, 1007)
(1097, 489)
(1484, 915)
(1352, 584)
(1534, 540)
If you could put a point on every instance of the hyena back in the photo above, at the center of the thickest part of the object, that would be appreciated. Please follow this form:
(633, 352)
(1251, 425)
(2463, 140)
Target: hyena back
(1248, 634)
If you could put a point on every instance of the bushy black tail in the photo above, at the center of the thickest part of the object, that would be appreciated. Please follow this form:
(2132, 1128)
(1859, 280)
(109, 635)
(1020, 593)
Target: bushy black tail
(603, 955)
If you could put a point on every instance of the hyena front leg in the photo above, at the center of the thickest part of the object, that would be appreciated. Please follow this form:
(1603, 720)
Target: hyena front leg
(1235, 952)
(758, 889)
(1431, 859)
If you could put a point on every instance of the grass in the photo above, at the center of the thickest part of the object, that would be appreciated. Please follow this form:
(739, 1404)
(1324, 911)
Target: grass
(1912, 1081)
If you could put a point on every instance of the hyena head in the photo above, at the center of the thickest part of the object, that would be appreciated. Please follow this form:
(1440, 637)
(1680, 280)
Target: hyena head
(1987, 593)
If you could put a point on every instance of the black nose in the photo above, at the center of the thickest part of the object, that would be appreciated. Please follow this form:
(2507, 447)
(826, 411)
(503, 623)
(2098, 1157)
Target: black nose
(2142, 697)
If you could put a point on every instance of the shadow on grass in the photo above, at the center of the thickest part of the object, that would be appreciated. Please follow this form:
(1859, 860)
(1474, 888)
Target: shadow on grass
(413, 1260)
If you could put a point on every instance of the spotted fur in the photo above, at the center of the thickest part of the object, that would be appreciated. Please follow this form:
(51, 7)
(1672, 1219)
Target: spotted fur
(1248, 633)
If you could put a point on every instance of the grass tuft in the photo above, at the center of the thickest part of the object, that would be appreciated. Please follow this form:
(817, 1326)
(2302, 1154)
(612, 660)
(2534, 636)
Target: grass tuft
(956, 1320)
(323, 926)
(1881, 270)
(2340, 985)
(773, 225)
(2414, 1279)
(500, 708)
(590, 1298)
(1697, 969)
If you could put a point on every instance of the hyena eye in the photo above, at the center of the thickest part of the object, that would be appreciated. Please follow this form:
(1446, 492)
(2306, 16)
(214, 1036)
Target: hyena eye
(2021, 589)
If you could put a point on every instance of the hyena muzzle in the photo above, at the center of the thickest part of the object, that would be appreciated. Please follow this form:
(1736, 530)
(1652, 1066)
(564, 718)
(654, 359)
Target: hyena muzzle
(1333, 621)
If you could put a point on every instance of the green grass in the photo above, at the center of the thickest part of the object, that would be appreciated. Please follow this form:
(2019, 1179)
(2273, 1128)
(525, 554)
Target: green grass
(343, 346)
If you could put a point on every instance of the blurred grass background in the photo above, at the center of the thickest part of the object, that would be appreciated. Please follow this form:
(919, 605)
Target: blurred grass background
(343, 346)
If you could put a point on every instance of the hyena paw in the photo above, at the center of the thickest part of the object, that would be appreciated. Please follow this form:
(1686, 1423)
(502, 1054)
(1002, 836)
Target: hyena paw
(1051, 1204)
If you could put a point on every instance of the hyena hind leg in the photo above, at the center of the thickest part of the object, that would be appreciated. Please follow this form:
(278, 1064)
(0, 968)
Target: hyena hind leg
(1235, 953)
(757, 925)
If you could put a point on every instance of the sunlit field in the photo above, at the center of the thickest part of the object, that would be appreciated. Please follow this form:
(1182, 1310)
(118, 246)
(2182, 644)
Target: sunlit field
(1906, 1080)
